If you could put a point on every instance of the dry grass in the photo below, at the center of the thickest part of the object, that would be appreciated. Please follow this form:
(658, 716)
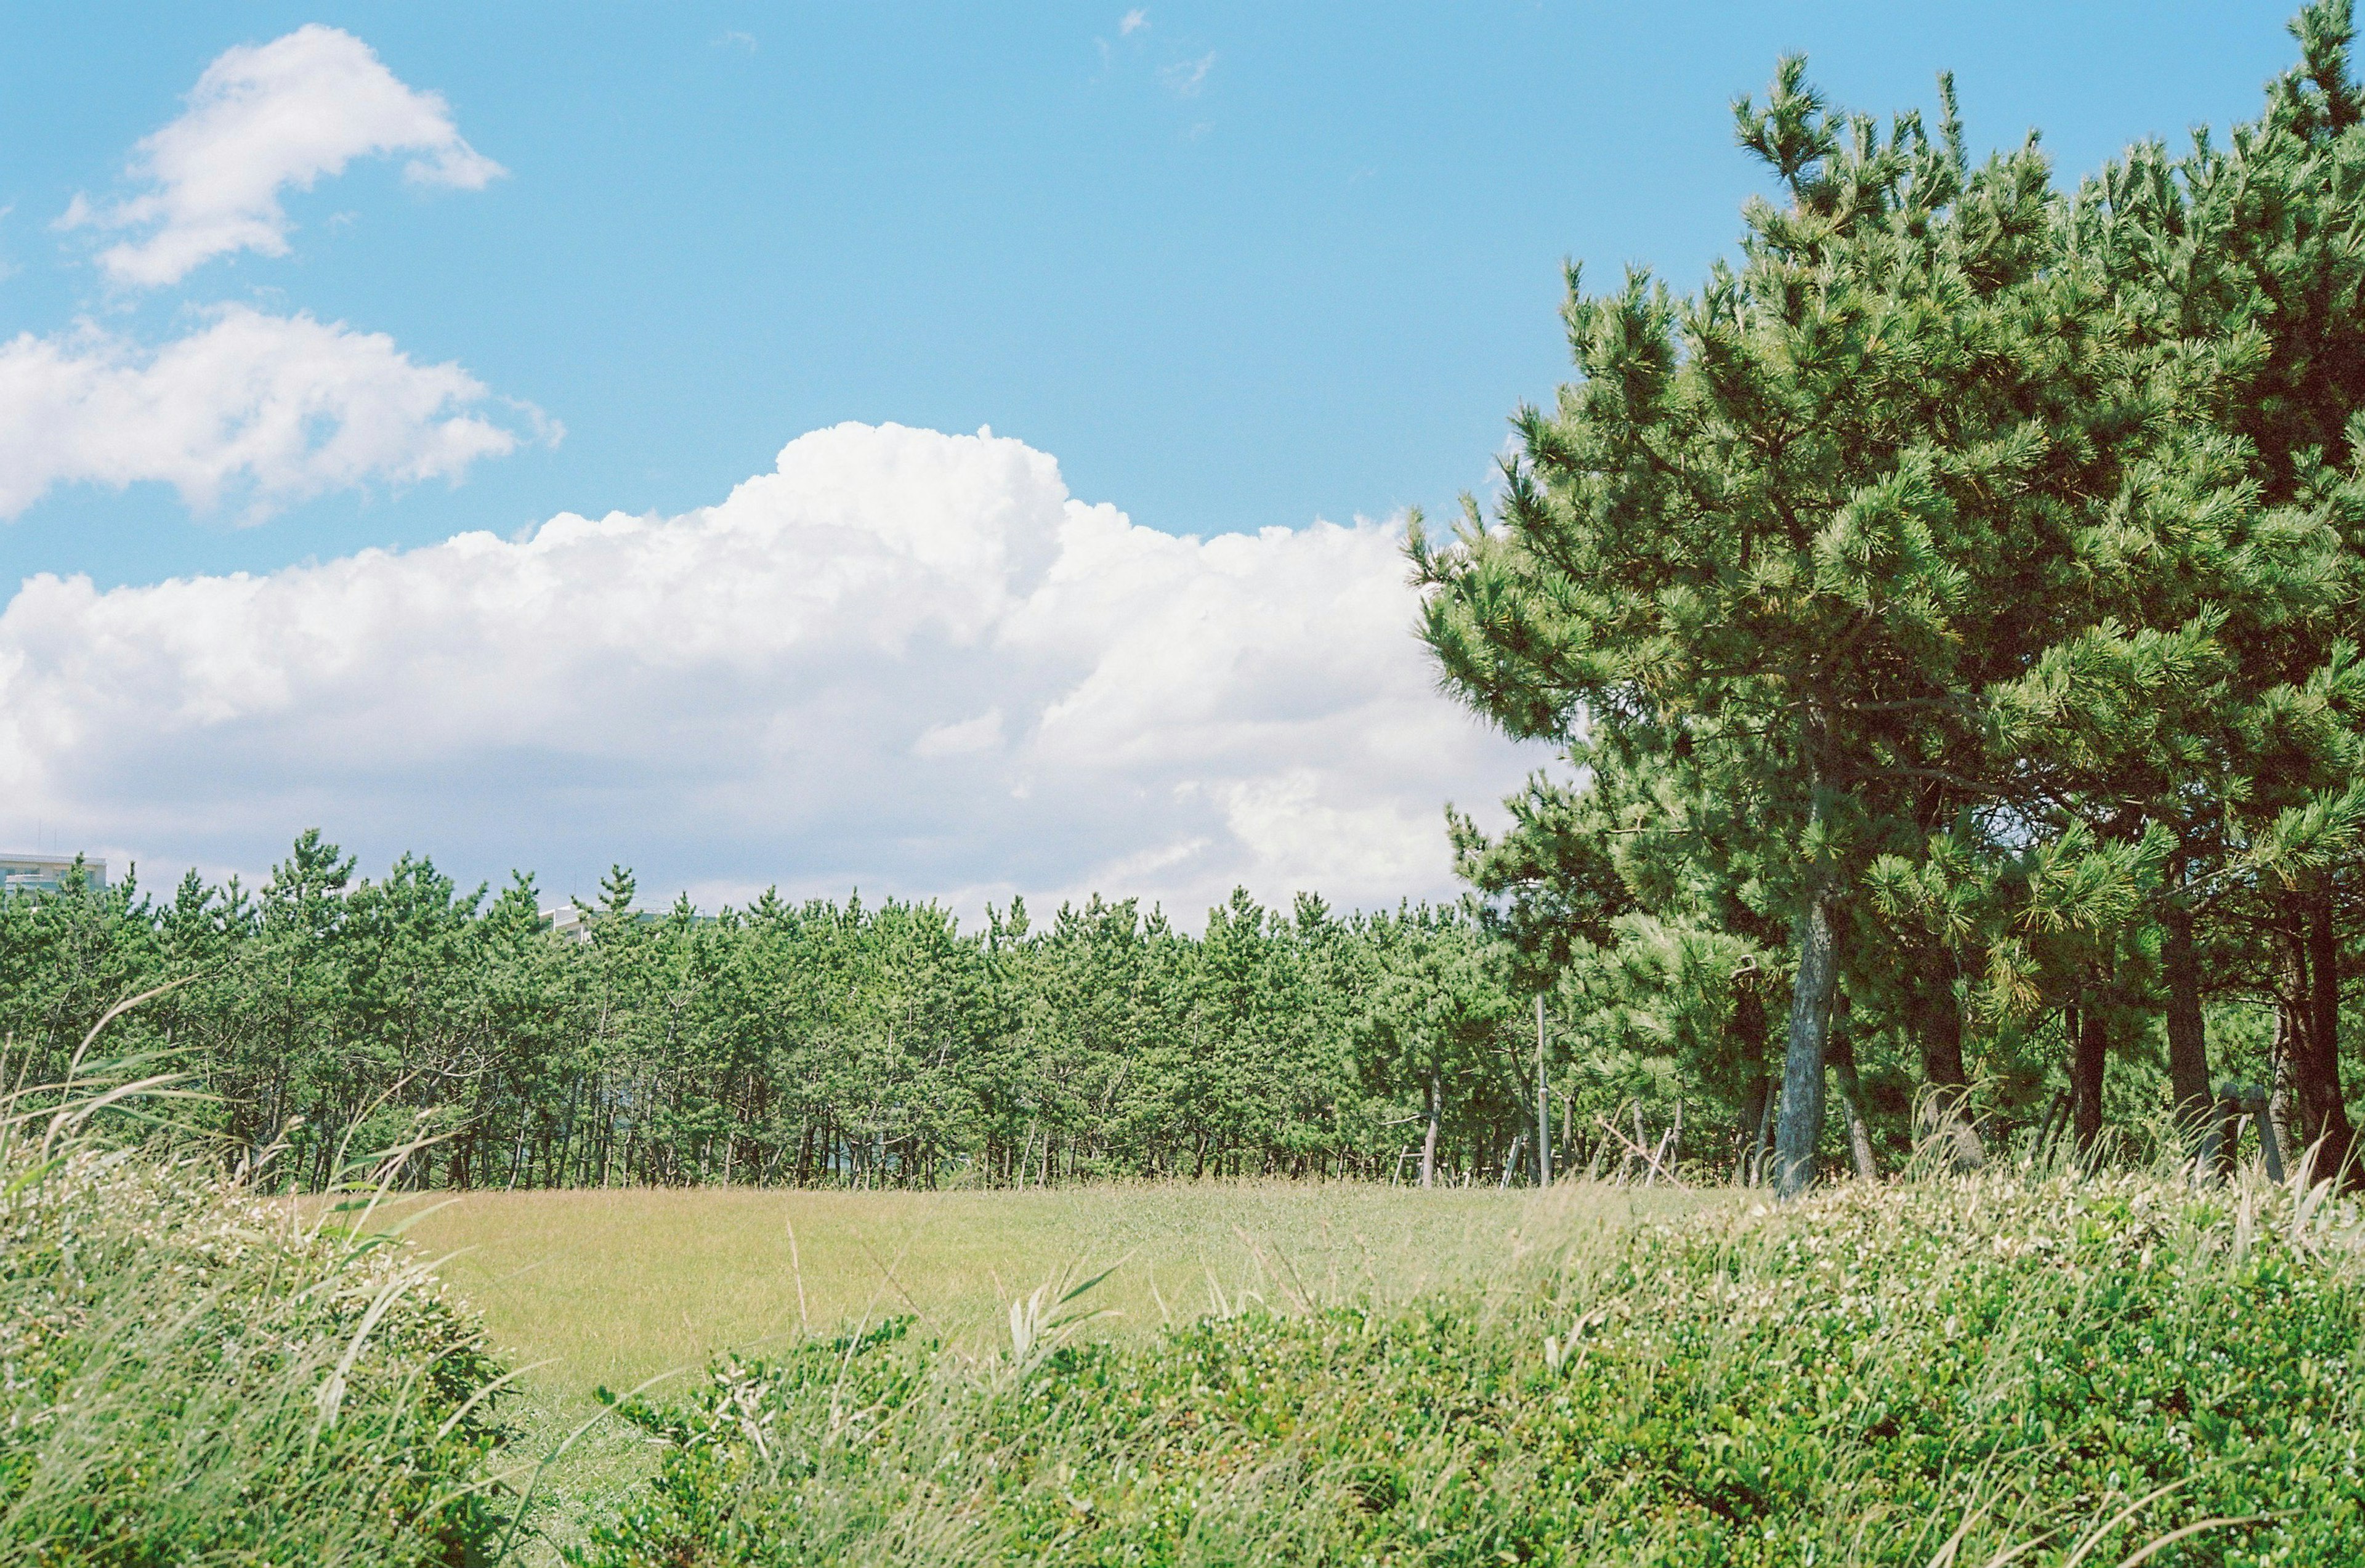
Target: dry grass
(618, 1286)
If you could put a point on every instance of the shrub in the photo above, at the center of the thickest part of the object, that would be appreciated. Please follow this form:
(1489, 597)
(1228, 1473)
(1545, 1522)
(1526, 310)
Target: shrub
(191, 1374)
(1915, 1374)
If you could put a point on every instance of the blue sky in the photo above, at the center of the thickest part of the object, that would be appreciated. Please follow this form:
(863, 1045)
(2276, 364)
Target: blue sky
(1307, 280)
(1230, 267)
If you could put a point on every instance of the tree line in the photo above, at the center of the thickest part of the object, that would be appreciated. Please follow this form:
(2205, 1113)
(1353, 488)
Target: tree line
(324, 1016)
(1950, 613)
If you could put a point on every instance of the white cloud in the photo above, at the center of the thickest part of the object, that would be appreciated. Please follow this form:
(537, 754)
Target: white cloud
(1132, 22)
(961, 737)
(1187, 78)
(251, 408)
(263, 118)
(902, 660)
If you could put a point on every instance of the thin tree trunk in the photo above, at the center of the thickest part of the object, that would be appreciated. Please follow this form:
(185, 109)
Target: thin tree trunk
(1764, 1144)
(2282, 1092)
(1851, 1092)
(2323, 1037)
(2296, 1025)
(2088, 1056)
(1748, 1029)
(1801, 1126)
(1543, 1103)
(2188, 1040)
(1429, 1144)
(1755, 1102)
(1944, 1117)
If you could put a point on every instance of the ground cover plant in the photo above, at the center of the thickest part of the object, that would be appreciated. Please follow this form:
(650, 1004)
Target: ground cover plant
(2026, 1367)
(2035, 1357)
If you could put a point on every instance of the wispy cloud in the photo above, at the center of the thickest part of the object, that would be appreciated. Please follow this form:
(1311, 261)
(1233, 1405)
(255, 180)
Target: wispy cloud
(1132, 22)
(1185, 78)
(736, 39)
(262, 118)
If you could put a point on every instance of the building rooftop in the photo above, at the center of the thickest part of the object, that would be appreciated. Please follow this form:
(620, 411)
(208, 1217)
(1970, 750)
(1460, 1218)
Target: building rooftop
(46, 873)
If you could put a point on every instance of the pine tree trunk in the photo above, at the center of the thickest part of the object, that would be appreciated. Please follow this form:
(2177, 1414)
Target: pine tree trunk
(1944, 1117)
(1754, 1103)
(1763, 1149)
(1801, 1126)
(2188, 1040)
(1851, 1092)
(1748, 1030)
(2323, 1036)
(2087, 1056)
(1429, 1144)
(1543, 1103)
(2282, 1092)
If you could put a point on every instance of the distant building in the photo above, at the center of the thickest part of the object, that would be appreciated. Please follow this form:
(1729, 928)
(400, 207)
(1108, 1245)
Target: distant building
(568, 921)
(46, 873)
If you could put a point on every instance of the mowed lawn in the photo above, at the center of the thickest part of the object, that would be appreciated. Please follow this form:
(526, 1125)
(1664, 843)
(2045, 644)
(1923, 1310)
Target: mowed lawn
(616, 1287)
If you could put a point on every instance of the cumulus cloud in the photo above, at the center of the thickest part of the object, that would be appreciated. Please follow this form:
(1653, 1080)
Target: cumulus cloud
(904, 660)
(262, 118)
(256, 408)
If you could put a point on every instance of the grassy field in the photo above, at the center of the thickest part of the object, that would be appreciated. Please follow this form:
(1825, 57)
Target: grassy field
(2049, 1368)
(2040, 1365)
(617, 1287)
(620, 1287)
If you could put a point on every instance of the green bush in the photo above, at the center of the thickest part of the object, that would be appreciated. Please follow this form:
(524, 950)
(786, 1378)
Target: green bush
(1863, 1378)
(190, 1374)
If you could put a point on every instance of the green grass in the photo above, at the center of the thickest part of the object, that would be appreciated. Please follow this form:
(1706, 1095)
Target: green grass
(614, 1288)
(2036, 1368)
(2031, 1367)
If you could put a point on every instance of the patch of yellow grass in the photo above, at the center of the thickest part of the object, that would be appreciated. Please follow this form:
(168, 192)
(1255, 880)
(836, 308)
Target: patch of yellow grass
(624, 1285)
(617, 1286)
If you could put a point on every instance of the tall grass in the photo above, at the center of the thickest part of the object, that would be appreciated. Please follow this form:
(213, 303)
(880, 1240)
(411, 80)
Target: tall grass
(2035, 1365)
(190, 1373)
(620, 1286)
(2042, 1364)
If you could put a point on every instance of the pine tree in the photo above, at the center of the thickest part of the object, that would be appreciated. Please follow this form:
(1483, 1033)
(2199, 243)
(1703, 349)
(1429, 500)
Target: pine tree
(1780, 536)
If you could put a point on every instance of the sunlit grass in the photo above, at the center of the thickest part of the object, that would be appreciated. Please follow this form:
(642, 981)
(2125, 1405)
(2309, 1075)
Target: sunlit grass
(2033, 1365)
(620, 1287)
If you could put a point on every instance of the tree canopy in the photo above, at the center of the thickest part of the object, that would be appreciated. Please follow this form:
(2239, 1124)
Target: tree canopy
(1949, 607)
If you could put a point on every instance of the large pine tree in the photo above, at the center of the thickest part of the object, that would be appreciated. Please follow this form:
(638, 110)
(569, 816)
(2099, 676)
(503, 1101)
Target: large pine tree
(1780, 536)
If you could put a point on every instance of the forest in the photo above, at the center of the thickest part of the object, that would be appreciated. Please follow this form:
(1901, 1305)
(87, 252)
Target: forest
(324, 1017)
(794, 1043)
